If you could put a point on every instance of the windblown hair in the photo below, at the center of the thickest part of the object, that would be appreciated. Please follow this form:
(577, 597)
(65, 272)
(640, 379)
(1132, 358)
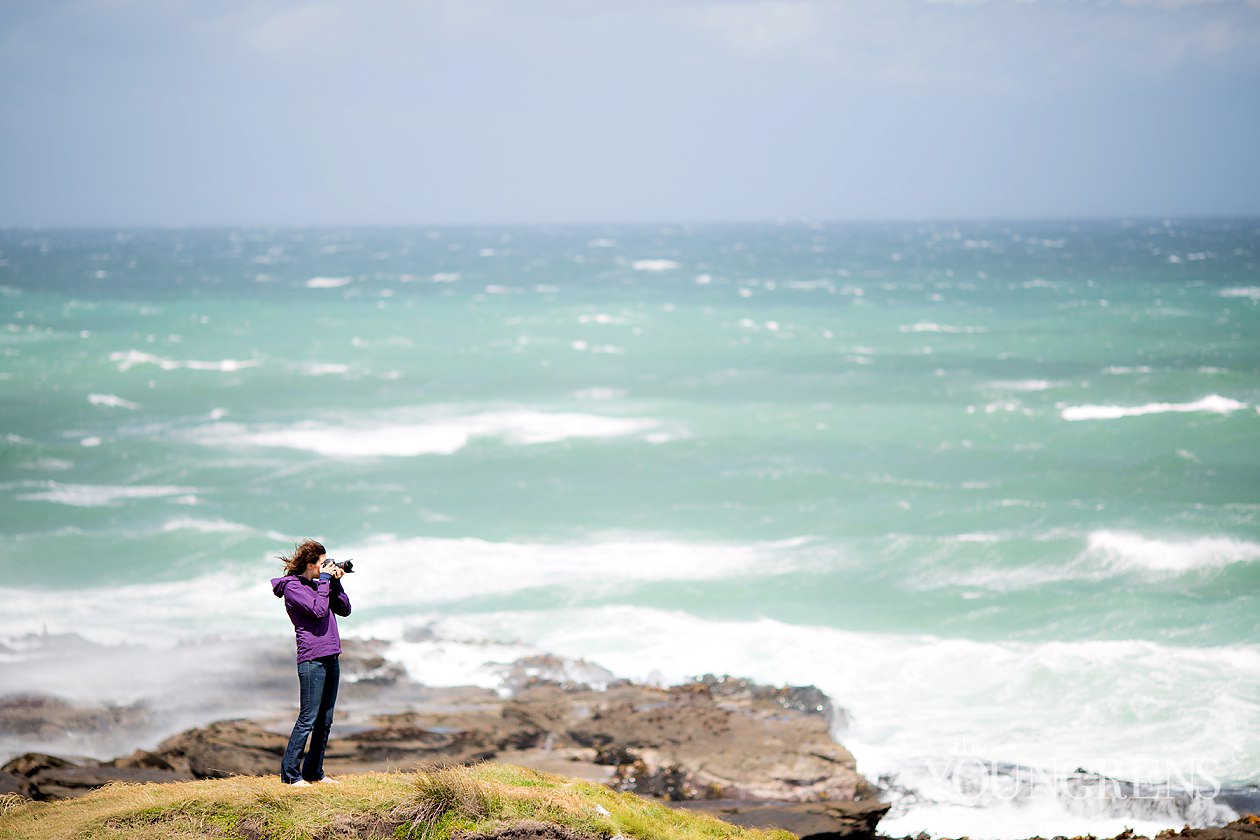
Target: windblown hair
(304, 553)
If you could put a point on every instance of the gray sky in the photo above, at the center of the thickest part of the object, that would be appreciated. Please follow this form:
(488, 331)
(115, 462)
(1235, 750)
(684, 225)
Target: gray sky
(121, 112)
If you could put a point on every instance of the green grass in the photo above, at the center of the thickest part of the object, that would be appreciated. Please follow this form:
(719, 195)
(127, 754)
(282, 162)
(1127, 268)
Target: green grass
(432, 805)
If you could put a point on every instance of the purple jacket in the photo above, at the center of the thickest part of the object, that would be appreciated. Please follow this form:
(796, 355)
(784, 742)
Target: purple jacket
(311, 606)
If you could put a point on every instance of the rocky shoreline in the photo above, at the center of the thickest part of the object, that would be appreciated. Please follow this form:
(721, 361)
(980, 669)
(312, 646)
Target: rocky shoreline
(749, 753)
(753, 755)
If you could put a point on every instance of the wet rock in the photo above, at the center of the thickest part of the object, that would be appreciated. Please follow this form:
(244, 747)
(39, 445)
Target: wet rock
(807, 820)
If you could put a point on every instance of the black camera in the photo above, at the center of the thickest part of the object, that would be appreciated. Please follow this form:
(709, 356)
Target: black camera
(346, 566)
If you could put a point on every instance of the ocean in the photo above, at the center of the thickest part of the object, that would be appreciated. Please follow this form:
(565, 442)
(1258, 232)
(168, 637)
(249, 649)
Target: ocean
(993, 486)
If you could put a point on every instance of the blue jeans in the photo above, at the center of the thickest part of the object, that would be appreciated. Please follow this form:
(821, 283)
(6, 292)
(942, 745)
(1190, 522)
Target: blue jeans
(318, 680)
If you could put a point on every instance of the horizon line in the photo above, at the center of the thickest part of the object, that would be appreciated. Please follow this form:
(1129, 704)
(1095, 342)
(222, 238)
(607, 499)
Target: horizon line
(760, 222)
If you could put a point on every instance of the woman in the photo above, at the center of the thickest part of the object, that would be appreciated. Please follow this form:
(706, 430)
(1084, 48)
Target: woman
(313, 597)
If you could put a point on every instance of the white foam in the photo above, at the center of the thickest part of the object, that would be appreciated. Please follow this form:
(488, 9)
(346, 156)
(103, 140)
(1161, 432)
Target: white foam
(324, 368)
(447, 277)
(445, 570)
(223, 365)
(430, 436)
(602, 318)
(1096, 556)
(160, 615)
(600, 394)
(112, 401)
(410, 575)
(327, 282)
(655, 265)
(1213, 404)
(1249, 292)
(131, 358)
(48, 464)
(97, 495)
(1125, 551)
(929, 327)
(1008, 406)
(602, 243)
(1005, 804)
(206, 526)
(1023, 385)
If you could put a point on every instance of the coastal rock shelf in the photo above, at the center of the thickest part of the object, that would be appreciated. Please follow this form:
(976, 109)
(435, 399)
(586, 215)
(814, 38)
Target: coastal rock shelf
(752, 754)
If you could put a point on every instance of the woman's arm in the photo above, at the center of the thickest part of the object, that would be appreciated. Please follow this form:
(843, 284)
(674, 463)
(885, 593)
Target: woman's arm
(339, 601)
(314, 603)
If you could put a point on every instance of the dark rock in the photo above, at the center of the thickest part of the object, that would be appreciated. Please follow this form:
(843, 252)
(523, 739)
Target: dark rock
(28, 764)
(807, 820)
(363, 665)
(40, 776)
(226, 748)
(615, 756)
(568, 674)
(806, 699)
(525, 830)
(145, 760)
(1243, 828)
(521, 739)
(13, 783)
(672, 783)
(65, 782)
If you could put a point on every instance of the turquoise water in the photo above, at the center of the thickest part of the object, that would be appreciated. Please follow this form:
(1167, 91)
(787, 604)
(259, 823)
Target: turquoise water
(993, 486)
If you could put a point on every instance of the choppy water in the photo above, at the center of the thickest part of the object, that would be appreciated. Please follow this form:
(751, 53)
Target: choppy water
(995, 487)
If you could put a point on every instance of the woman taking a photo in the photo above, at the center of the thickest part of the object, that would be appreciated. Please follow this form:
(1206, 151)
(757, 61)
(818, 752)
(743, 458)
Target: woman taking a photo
(313, 597)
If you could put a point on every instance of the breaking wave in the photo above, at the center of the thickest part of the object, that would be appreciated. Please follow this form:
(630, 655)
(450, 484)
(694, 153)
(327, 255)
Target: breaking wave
(1214, 404)
(436, 436)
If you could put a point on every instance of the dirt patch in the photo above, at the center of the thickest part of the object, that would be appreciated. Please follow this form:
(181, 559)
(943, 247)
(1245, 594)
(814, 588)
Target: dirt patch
(526, 830)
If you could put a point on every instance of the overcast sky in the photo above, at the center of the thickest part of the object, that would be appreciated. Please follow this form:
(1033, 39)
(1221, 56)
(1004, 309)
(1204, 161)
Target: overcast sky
(188, 112)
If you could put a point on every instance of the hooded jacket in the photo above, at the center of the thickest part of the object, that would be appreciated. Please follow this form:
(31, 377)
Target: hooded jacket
(313, 607)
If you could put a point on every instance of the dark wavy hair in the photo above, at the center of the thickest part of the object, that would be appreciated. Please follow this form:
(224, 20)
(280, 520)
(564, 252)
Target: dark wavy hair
(304, 553)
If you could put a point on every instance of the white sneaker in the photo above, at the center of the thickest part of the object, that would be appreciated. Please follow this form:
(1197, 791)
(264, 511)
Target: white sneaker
(300, 783)
(329, 780)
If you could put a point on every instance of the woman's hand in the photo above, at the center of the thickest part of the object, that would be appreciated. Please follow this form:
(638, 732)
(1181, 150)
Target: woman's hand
(333, 569)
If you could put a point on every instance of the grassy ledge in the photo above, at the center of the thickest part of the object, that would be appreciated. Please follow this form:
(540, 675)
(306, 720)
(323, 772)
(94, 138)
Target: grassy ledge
(485, 801)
